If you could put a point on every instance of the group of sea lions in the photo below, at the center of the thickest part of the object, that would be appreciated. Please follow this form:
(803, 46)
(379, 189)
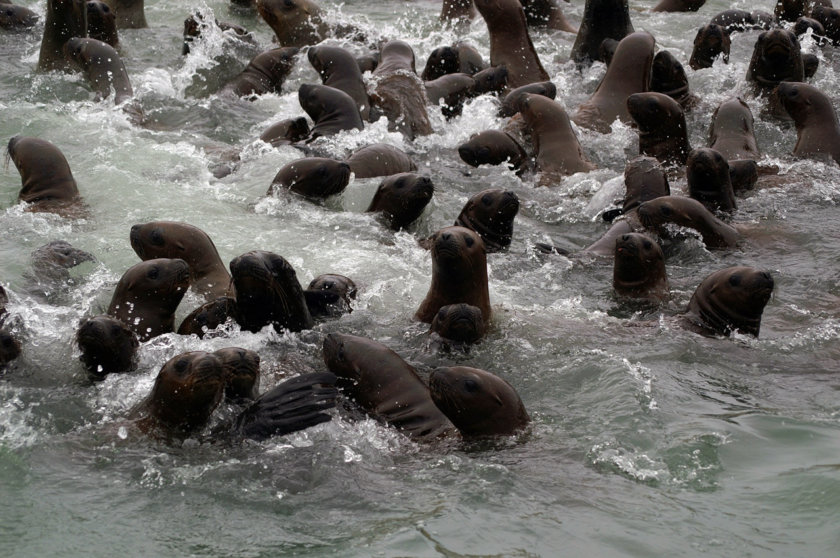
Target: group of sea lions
(641, 87)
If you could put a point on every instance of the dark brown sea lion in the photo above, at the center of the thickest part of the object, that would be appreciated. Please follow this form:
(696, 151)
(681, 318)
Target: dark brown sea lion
(65, 19)
(9, 345)
(102, 66)
(730, 300)
(170, 239)
(196, 24)
(546, 13)
(459, 273)
(829, 18)
(295, 22)
(332, 110)
(107, 346)
(791, 10)
(644, 179)
(510, 103)
(602, 19)
(368, 62)
(458, 58)
(148, 294)
(102, 23)
(712, 41)
(130, 14)
(384, 386)
(16, 17)
(380, 159)
(242, 368)
(732, 132)
(678, 6)
(313, 177)
(510, 43)
(556, 147)
(46, 181)
(801, 27)
(291, 130)
(450, 92)
(457, 12)
(667, 76)
(52, 261)
(338, 69)
(777, 57)
(661, 124)
(341, 287)
(490, 80)
(265, 73)
(689, 213)
(628, 73)
(268, 292)
(493, 147)
(208, 316)
(401, 199)
(399, 92)
(478, 403)
(639, 268)
(709, 181)
(490, 213)
(744, 174)
(460, 323)
(817, 128)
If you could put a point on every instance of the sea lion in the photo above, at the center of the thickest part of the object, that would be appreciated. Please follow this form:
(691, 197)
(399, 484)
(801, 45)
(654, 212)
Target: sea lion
(731, 132)
(712, 41)
(170, 239)
(690, 213)
(791, 10)
(458, 58)
(661, 125)
(490, 80)
(296, 23)
(343, 288)
(730, 300)
(130, 14)
(312, 177)
(678, 6)
(459, 273)
(457, 12)
(602, 19)
(384, 386)
(16, 17)
(460, 323)
(242, 368)
(734, 20)
(490, 213)
(628, 73)
(102, 66)
(709, 181)
(285, 132)
(639, 268)
(265, 73)
(268, 292)
(332, 110)
(9, 345)
(644, 179)
(493, 147)
(50, 267)
(107, 346)
(743, 173)
(380, 159)
(817, 128)
(208, 316)
(546, 13)
(510, 43)
(148, 294)
(102, 23)
(668, 76)
(65, 19)
(368, 62)
(776, 57)
(478, 403)
(450, 92)
(337, 69)
(510, 103)
(401, 199)
(399, 92)
(556, 146)
(196, 24)
(801, 27)
(829, 18)
(47, 182)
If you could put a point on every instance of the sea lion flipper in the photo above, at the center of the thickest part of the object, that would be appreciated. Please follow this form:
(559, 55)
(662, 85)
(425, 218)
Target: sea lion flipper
(291, 406)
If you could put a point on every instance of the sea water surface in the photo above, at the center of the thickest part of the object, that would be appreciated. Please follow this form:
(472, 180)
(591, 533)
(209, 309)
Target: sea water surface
(646, 440)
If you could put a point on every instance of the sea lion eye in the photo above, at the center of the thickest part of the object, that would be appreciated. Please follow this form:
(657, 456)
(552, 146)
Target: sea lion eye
(399, 183)
(487, 199)
(666, 211)
(153, 273)
(115, 329)
(156, 237)
(735, 280)
(469, 241)
(470, 385)
(181, 365)
(647, 244)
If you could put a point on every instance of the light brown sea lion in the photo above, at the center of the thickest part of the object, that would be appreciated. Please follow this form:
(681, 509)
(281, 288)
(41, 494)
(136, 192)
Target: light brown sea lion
(667, 76)
(290, 130)
(690, 213)
(556, 146)
(265, 73)
(546, 13)
(776, 57)
(13, 16)
(242, 370)
(709, 181)
(130, 14)
(459, 323)
(102, 23)
(208, 316)
(490, 213)
(661, 125)
(102, 66)
(730, 300)
(510, 103)
(296, 23)
(148, 294)
(628, 73)
(817, 128)
(459, 273)
(712, 41)
(510, 43)
(332, 110)
(47, 183)
(458, 58)
(338, 69)
(678, 6)
(602, 19)
(380, 159)
(639, 268)
(51, 262)
(107, 346)
(478, 403)
(493, 147)
(731, 132)
(312, 177)
(65, 19)
(384, 386)
(399, 92)
(171, 239)
(401, 199)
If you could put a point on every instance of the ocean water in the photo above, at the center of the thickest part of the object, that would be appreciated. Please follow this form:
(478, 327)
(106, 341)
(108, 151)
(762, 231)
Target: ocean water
(646, 440)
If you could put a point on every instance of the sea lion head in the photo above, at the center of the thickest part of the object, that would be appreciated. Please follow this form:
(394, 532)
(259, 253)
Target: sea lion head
(171, 239)
(16, 17)
(462, 323)
(59, 254)
(644, 179)
(242, 368)
(402, 198)
(457, 250)
(667, 75)
(314, 177)
(678, 210)
(295, 22)
(9, 347)
(709, 180)
(162, 281)
(639, 266)
(661, 124)
(732, 299)
(490, 213)
(274, 65)
(510, 103)
(490, 80)
(107, 346)
(803, 102)
(712, 40)
(341, 353)
(442, 61)
(776, 57)
(342, 286)
(492, 147)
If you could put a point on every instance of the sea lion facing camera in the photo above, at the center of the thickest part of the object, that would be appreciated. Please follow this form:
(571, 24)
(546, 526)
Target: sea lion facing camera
(639, 268)
(731, 132)
(380, 159)
(712, 41)
(602, 19)
(312, 177)
(401, 198)
(556, 146)
(102, 23)
(242, 370)
(295, 23)
(340, 290)
(65, 19)
(338, 69)
(817, 128)
(490, 213)
(399, 92)
(709, 181)
(47, 182)
(776, 57)
(102, 66)
(461, 323)
(107, 345)
(661, 125)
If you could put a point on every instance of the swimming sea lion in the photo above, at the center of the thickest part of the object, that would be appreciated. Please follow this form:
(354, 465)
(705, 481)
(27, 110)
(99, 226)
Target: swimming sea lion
(644, 179)
(791, 10)
(332, 110)
(461, 323)
(490, 80)
(661, 125)
(296, 23)
(9, 345)
(50, 267)
(130, 14)
(709, 181)
(490, 213)
(107, 346)
(712, 41)
(208, 316)
(148, 294)
(268, 292)
(459, 273)
(399, 92)
(384, 386)
(196, 24)
(401, 199)
(678, 6)
(639, 268)
(380, 159)
(170, 239)
(102, 23)
(546, 13)
(478, 403)
(801, 27)
(265, 73)
(817, 128)
(690, 213)
(777, 57)
(337, 69)
(13, 16)
(730, 300)
(510, 103)
(102, 66)
(556, 146)
(668, 76)
(242, 370)
(493, 147)
(47, 182)
(343, 288)
(731, 132)
(829, 18)
(450, 92)
(602, 19)
(458, 58)
(312, 177)
(65, 19)
(628, 73)
(290, 130)
(457, 12)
